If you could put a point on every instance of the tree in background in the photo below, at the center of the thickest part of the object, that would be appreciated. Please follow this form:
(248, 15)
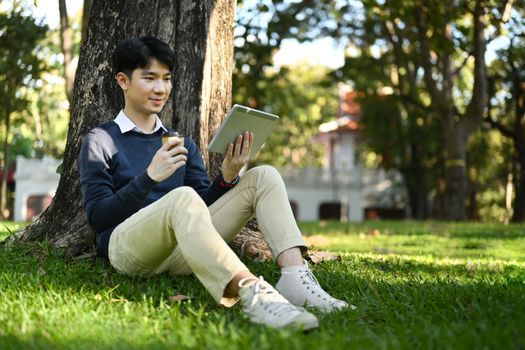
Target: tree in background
(507, 103)
(260, 30)
(442, 41)
(20, 67)
(302, 95)
(405, 139)
(441, 49)
(397, 124)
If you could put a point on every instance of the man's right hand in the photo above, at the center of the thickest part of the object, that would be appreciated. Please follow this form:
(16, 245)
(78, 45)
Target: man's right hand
(170, 157)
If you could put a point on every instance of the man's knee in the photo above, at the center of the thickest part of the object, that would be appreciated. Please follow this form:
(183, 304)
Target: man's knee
(184, 194)
(266, 172)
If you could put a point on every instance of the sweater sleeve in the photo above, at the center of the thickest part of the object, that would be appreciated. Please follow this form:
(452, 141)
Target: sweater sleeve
(105, 207)
(197, 177)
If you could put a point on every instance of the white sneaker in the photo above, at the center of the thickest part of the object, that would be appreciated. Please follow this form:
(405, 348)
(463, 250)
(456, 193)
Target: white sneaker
(264, 305)
(299, 285)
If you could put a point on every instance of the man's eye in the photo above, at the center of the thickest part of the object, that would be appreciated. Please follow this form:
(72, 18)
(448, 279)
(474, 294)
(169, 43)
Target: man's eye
(167, 78)
(148, 78)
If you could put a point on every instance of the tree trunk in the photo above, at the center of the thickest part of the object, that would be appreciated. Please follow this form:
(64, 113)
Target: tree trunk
(201, 34)
(518, 139)
(417, 199)
(455, 174)
(66, 44)
(415, 176)
(518, 214)
(5, 167)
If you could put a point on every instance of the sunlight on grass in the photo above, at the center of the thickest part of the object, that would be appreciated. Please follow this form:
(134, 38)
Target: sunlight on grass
(9, 227)
(444, 240)
(415, 285)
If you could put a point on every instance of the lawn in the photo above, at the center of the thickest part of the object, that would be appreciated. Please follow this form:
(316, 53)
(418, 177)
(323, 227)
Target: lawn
(415, 285)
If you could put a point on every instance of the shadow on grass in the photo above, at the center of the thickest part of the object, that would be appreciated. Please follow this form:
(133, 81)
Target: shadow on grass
(451, 306)
(401, 302)
(34, 267)
(499, 235)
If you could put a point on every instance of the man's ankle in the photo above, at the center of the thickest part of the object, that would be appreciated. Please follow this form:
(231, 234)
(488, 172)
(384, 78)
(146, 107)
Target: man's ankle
(232, 288)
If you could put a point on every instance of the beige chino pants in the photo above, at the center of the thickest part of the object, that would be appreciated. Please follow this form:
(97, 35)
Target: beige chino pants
(180, 234)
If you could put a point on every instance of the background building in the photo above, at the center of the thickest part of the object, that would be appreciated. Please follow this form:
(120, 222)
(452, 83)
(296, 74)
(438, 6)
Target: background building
(343, 189)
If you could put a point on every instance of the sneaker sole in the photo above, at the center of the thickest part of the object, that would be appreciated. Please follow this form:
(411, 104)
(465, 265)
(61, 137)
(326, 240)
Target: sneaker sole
(306, 326)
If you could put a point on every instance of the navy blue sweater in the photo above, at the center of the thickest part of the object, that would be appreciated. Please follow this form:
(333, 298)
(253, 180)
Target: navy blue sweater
(114, 181)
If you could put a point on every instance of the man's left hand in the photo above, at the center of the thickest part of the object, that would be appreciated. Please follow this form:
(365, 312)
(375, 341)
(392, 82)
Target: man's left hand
(237, 156)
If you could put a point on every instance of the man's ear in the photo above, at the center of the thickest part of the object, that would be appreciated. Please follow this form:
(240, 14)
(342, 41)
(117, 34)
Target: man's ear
(122, 81)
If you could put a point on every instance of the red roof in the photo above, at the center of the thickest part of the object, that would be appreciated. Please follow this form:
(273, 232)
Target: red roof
(348, 106)
(348, 115)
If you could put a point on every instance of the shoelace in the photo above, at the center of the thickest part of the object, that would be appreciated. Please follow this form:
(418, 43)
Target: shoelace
(311, 281)
(275, 303)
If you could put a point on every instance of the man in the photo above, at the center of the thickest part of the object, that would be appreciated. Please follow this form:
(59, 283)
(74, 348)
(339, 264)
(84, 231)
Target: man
(155, 210)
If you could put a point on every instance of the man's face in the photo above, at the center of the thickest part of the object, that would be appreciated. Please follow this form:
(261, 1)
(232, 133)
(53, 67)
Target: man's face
(148, 89)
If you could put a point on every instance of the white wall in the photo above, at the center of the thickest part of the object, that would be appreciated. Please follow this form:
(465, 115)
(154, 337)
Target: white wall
(310, 187)
(346, 156)
(309, 200)
(33, 177)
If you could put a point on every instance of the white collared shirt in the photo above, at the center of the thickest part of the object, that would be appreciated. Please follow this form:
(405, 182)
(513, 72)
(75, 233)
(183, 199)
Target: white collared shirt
(125, 124)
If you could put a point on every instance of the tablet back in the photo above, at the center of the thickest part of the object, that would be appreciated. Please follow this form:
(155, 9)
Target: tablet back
(240, 119)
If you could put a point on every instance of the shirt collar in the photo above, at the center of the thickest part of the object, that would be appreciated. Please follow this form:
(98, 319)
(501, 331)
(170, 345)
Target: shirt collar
(125, 124)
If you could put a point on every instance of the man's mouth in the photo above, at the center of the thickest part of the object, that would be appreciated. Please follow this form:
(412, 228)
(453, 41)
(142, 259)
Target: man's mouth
(156, 101)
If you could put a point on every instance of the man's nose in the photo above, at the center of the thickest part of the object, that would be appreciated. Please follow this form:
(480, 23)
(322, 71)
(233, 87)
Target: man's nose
(159, 87)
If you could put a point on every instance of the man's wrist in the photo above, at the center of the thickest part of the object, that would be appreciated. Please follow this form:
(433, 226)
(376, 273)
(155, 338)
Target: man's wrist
(231, 183)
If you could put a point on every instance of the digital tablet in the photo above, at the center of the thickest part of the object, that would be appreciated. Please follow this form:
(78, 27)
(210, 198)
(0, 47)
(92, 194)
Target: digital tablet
(240, 119)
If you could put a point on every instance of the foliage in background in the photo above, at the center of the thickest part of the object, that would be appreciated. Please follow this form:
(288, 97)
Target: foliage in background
(40, 127)
(301, 95)
(400, 129)
(431, 76)
(21, 65)
(404, 121)
(507, 104)
(297, 94)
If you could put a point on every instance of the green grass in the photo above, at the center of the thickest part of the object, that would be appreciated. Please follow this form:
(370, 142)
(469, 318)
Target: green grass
(415, 285)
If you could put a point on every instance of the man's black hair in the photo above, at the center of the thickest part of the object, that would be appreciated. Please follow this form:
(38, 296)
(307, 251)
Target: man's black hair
(133, 53)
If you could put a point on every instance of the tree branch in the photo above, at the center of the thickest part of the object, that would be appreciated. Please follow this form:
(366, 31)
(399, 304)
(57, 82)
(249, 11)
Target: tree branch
(500, 127)
(420, 20)
(416, 103)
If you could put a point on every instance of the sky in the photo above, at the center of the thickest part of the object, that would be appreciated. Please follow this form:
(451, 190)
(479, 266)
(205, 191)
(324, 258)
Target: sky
(48, 10)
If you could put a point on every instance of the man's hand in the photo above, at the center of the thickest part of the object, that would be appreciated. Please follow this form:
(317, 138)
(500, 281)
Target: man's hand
(237, 156)
(170, 157)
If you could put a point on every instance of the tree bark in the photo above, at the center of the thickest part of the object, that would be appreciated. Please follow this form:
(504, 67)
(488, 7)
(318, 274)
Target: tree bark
(417, 197)
(456, 181)
(201, 34)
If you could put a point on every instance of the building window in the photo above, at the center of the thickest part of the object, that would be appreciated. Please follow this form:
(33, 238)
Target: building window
(330, 211)
(377, 213)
